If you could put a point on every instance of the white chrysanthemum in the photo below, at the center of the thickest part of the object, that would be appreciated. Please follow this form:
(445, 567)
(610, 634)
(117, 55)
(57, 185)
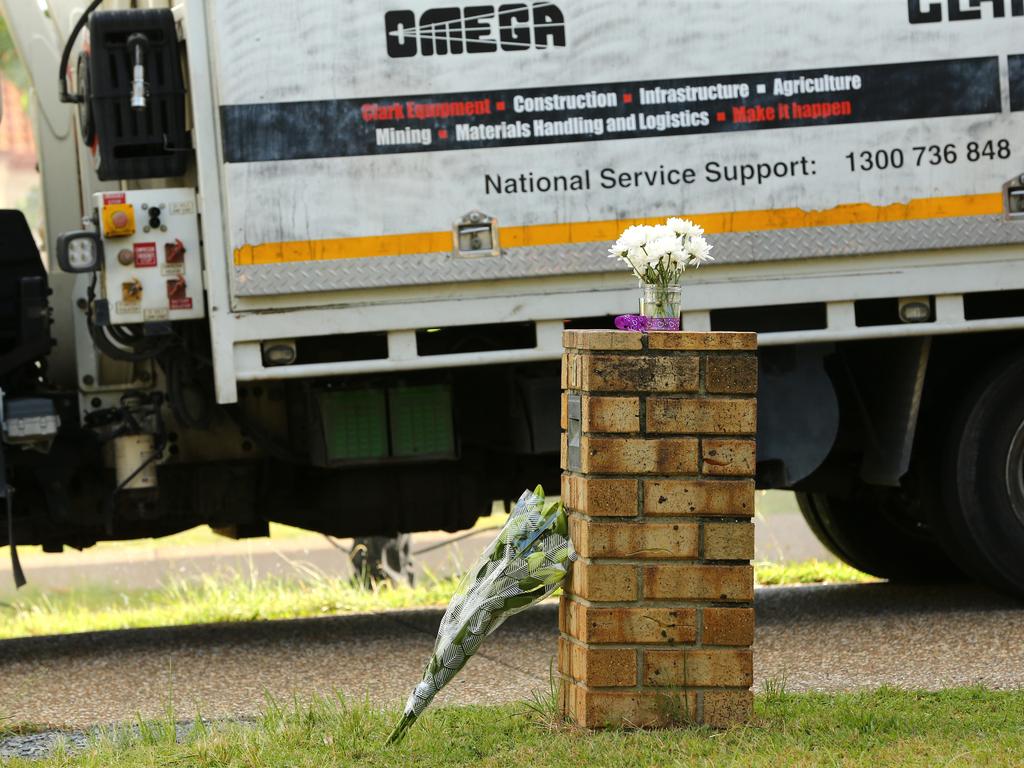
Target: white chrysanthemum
(659, 232)
(638, 258)
(628, 244)
(698, 251)
(633, 237)
(664, 248)
(685, 228)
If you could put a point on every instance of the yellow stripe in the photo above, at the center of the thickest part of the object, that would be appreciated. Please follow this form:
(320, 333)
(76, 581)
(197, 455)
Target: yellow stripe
(607, 231)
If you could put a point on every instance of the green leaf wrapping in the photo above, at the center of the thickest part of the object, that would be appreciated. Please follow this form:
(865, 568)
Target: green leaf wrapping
(526, 562)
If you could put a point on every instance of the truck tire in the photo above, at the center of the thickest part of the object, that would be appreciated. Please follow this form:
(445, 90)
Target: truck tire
(870, 531)
(979, 515)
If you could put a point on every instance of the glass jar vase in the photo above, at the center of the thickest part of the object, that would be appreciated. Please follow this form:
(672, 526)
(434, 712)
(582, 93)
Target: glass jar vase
(662, 305)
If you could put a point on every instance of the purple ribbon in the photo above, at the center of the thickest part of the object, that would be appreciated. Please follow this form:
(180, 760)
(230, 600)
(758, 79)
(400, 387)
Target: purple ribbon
(643, 324)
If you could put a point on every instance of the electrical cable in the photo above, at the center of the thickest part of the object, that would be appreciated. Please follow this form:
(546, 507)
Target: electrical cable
(8, 492)
(457, 539)
(334, 542)
(108, 346)
(157, 453)
(65, 96)
(19, 574)
(122, 335)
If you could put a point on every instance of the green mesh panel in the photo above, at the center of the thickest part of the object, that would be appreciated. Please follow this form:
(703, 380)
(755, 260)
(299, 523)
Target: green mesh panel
(421, 421)
(355, 424)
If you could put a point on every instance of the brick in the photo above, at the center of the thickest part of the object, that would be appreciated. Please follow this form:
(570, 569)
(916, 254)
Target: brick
(728, 626)
(564, 422)
(611, 414)
(723, 709)
(728, 541)
(624, 456)
(699, 668)
(598, 667)
(725, 583)
(601, 496)
(603, 340)
(627, 541)
(604, 583)
(701, 416)
(729, 457)
(565, 370)
(705, 498)
(640, 373)
(732, 375)
(643, 625)
(567, 697)
(702, 341)
(637, 709)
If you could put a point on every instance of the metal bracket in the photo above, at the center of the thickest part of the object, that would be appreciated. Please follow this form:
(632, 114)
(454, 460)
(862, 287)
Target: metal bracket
(475, 236)
(1013, 198)
(574, 432)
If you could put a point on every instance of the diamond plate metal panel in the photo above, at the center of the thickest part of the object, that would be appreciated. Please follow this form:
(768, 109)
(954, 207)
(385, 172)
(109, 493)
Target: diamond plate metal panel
(588, 258)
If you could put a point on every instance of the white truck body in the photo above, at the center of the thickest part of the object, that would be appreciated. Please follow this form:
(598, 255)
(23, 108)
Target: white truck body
(343, 169)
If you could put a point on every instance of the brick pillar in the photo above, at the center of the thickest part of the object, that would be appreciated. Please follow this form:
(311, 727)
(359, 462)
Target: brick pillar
(657, 623)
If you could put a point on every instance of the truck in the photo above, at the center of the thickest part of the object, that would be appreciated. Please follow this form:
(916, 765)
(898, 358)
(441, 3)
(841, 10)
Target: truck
(311, 263)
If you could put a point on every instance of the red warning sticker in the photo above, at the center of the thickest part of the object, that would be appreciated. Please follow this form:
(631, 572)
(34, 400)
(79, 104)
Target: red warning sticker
(177, 293)
(145, 254)
(113, 198)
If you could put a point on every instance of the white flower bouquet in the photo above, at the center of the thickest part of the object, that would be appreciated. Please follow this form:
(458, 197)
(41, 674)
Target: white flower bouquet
(526, 563)
(658, 256)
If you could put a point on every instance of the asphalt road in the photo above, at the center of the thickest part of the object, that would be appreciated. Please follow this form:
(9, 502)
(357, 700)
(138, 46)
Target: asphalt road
(809, 638)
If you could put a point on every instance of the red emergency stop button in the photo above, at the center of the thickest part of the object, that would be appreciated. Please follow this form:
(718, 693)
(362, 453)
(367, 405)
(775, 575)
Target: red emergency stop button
(118, 220)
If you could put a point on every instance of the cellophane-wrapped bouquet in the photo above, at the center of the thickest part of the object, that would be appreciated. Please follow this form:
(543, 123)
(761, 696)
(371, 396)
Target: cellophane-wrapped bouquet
(525, 564)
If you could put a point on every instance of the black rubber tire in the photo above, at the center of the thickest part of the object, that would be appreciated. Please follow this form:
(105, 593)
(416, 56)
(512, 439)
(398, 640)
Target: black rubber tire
(979, 512)
(871, 531)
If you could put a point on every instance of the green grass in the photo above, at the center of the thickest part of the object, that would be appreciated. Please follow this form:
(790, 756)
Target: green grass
(231, 597)
(776, 503)
(218, 598)
(887, 727)
(808, 572)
